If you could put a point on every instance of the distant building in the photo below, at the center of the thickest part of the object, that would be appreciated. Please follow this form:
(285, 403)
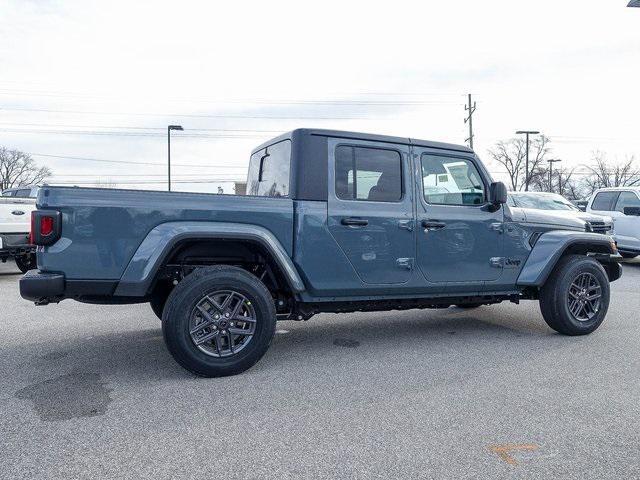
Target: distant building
(240, 188)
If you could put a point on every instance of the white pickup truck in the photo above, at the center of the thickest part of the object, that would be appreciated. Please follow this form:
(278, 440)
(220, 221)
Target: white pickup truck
(16, 206)
(623, 205)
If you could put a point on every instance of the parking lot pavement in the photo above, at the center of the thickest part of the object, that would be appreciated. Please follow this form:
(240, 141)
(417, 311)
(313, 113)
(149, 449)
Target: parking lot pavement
(90, 392)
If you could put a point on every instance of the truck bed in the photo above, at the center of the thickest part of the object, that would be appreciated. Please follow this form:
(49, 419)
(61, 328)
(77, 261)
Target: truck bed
(102, 228)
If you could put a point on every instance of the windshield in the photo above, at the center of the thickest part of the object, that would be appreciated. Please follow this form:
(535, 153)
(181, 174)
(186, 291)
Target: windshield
(543, 202)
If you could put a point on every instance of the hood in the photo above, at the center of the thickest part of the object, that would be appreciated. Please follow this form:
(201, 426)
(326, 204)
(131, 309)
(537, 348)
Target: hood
(587, 217)
(567, 219)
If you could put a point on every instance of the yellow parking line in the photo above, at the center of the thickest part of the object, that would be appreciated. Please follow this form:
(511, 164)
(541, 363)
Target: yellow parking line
(503, 451)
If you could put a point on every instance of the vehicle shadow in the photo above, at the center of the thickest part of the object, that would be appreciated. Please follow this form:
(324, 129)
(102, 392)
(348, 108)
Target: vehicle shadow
(140, 356)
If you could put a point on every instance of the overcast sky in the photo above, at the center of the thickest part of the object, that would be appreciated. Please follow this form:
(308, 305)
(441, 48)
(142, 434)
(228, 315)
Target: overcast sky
(102, 80)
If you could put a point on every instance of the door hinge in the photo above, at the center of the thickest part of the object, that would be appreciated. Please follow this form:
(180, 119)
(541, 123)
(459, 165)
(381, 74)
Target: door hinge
(405, 263)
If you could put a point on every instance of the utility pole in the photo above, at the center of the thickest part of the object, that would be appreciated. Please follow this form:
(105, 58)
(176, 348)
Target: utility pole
(169, 128)
(526, 164)
(471, 108)
(551, 161)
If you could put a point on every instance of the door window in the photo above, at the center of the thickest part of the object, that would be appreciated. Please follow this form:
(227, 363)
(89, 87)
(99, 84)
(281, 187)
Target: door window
(451, 181)
(604, 201)
(369, 174)
(627, 199)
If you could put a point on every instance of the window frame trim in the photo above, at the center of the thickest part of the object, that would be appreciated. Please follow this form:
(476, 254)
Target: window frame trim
(353, 146)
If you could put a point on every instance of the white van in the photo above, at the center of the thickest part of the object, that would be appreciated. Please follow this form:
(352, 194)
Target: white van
(623, 205)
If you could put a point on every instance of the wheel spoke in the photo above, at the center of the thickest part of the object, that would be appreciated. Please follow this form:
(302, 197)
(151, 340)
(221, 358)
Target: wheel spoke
(219, 345)
(241, 331)
(230, 339)
(208, 320)
(206, 338)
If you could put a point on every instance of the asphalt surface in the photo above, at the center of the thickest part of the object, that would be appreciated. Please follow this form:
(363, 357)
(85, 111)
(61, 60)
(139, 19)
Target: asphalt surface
(91, 392)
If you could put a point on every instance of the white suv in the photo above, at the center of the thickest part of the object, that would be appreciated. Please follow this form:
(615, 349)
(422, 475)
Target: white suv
(623, 205)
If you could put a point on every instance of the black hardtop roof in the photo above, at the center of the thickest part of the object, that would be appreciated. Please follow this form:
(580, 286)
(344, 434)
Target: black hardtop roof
(372, 137)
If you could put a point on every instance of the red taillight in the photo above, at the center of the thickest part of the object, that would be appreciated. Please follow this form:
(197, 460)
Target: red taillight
(46, 226)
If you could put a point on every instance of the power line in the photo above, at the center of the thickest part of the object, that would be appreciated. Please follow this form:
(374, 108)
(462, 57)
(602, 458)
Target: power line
(26, 93)
(127, 134)
(137, 127)
(183, 115)
(127, 162)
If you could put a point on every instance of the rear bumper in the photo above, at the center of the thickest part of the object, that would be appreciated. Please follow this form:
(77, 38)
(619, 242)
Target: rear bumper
(46, 287)
(42, 287)
(13, 244)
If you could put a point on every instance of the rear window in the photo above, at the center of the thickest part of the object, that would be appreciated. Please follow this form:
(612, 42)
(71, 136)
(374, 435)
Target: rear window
(604, 201)
(269, 171)
(24, 193)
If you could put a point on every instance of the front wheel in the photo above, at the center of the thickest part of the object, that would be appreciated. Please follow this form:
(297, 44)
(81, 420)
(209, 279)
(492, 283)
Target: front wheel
(219, 321)
(575, 298)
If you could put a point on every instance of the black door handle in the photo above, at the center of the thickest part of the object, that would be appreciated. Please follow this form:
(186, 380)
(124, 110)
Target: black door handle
(433, 225)
(354, 222)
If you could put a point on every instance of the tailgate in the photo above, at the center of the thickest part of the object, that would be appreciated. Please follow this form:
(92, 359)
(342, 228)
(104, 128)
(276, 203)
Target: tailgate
(15, 215)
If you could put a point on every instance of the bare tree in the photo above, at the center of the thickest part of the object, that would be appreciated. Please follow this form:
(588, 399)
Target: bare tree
(511, 154)
(18, 169)
(606, 174)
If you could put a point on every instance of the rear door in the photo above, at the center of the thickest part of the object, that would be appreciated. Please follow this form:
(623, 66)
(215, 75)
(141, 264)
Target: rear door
(370, 208)
(459, 234)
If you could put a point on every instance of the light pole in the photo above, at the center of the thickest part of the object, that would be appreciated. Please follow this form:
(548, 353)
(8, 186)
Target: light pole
(551, 162)
(169, 128)
(526, 164)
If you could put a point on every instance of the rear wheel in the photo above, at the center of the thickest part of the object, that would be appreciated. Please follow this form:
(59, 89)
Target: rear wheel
(219, 321)
(26, 262)
(575, 299)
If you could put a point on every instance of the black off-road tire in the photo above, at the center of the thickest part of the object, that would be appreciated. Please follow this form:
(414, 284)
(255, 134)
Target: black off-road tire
(26, 262)
(554, 295)
(183, 300)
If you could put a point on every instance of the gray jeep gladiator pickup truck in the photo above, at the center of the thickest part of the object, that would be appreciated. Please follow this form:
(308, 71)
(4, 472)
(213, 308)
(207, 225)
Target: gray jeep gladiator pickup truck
(333, 222)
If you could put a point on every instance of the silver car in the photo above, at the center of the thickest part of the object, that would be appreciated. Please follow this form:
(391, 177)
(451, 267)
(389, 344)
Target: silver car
(560, 206)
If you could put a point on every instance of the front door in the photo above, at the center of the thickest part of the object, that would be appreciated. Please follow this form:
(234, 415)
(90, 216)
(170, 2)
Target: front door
(459, 234)
(370, 208)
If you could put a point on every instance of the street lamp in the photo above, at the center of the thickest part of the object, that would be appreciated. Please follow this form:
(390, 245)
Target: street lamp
(526, 165)
(551, 162)
(169, 128)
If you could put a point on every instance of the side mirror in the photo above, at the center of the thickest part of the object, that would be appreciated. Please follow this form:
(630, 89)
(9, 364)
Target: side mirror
(498, 193)
(635, 211)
